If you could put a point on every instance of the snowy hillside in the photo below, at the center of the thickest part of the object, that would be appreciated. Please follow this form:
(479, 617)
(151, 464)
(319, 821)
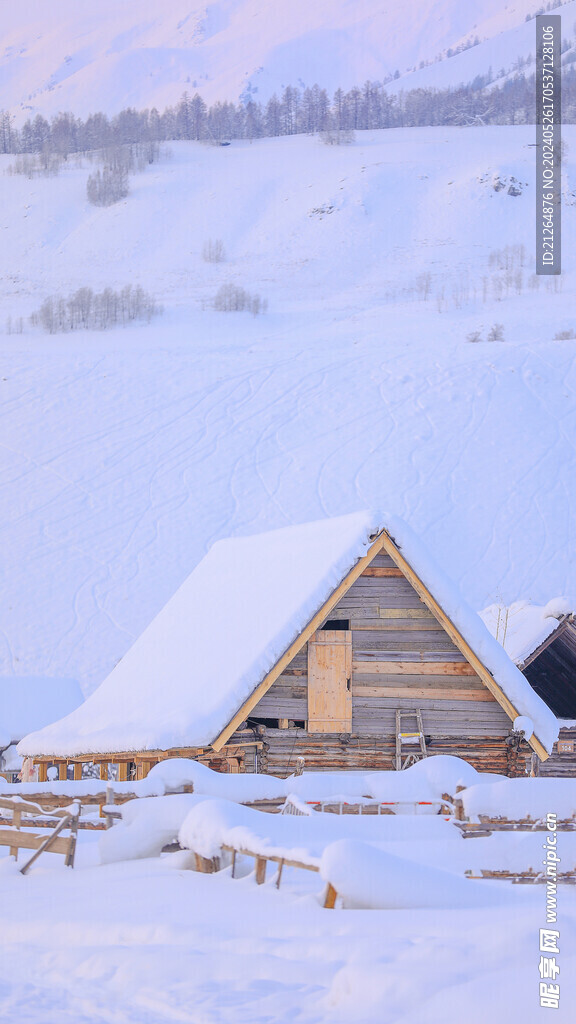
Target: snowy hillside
(126, 454)
(83, 57)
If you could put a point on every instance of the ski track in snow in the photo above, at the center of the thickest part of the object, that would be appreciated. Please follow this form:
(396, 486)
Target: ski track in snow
(126, 454)
(243, 453)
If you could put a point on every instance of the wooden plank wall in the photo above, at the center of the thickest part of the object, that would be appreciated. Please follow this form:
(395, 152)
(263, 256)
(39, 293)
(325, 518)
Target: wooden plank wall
(401, 658)
(562, 765)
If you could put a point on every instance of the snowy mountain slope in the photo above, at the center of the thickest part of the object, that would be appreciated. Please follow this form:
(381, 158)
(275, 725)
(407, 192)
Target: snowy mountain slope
(309, 226)
(497, 51)
(126, 454)
(80, 57)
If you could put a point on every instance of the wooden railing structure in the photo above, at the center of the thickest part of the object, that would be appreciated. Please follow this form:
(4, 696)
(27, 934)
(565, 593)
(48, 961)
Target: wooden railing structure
(17, 839)
(210, 865)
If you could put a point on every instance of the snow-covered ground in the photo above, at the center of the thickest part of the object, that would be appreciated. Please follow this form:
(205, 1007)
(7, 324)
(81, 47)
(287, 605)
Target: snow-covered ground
(126, 454)
(150, 941)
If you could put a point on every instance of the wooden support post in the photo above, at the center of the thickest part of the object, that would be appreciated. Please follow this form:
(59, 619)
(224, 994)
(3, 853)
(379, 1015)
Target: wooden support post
(459, 811)
(330, 897)
(123, 771)
(63, 771)
(43, 771)
(260, 870)
(69, 861)
(109, 800)
(279, 876)
(233, 863)
(77, 771)
(64, 821)
(206, 865)
(16, 821)
(142, 769)
(104, 771)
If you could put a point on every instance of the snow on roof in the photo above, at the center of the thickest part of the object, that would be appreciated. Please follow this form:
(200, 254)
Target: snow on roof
(31, 702)
(204, 654)
(473, 630)
(213, 642)
(521, 627)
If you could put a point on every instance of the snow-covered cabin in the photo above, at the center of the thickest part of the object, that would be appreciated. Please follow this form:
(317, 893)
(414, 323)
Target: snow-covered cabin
(541, 640)
(27, 703)
(309, 642)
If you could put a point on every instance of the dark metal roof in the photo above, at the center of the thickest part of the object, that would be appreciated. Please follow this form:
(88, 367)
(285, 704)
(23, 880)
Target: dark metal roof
(552, 674)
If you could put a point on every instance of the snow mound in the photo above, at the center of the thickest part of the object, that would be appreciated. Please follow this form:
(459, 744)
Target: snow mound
(176, 772)
(366, 877)
(147, 825)
(524, 724)
(428, 779)
(521, 798)
(216, 823)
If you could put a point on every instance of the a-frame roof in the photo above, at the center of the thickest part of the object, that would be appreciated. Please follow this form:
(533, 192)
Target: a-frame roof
(239, 618)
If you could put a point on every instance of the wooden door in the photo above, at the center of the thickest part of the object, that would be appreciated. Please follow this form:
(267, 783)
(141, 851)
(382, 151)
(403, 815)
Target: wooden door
(329, 681)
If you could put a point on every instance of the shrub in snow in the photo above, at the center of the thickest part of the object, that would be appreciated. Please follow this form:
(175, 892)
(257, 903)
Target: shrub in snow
(338, 137)
(231, 299)
(15, 326)
(496, 333)
(107, 186)
(34, 165)
(89, 310)
(213, 250)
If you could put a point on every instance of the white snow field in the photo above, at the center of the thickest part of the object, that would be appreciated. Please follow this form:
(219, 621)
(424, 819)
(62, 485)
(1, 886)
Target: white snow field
(149, 941)
(125, 454)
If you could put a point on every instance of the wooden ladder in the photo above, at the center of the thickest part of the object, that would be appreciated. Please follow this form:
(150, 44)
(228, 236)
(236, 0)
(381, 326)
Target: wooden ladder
(404, 736)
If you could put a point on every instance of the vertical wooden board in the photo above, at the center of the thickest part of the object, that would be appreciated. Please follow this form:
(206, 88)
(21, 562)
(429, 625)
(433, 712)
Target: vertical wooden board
(329, 681)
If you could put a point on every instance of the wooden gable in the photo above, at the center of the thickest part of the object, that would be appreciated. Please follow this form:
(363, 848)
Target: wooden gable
(403, 651)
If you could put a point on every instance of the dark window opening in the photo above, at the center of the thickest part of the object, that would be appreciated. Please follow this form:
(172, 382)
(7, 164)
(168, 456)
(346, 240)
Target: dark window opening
(342, 624)
(270, 723)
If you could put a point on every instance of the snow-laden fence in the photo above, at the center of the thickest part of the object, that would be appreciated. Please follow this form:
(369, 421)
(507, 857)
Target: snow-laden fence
(219, 821)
